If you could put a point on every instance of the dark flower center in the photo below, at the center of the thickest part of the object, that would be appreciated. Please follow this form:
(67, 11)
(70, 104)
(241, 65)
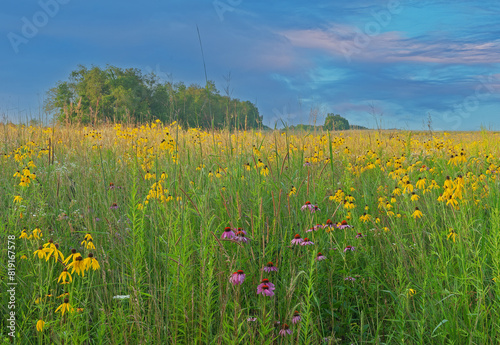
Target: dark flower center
(240, 272)
(270, 264)
(297, 236)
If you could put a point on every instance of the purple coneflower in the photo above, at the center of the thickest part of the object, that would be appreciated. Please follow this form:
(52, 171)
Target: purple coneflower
(240, 237)
(285, 329)
(296, 317)
(297, 239)
(265, 290)
(351, 248)
(252, 319)
(359, 235)
(114, 206)
(270, 267)
(240, 229)
(228, 233)
(320, 257)
(350, 278)
(307, 164)
(344, 225)
(307, 205)
(237, 277)
(306, 242)
(265, 281)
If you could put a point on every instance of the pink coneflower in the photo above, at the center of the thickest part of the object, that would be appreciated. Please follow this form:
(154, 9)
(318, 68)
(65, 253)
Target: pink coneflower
(265, 281)
(114, 206)
(308, 206)
(228, 233)
(112, 186)
(265, 290)
(306, 242)
(237, 277)
(344, 225)
(329, 224)
(351, 248)
(307, 164)
(297, 239)
(240, 237)
(359, 235)
(240, 229)
(350, 278)
(296, 317)
(252, 319)
(320, 257)
(285, 330)
(270, 267)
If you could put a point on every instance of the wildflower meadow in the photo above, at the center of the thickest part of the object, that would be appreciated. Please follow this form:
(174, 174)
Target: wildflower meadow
(155, 234)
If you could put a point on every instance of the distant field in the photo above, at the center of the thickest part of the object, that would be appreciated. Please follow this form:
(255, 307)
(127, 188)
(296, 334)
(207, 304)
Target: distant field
(364, 237)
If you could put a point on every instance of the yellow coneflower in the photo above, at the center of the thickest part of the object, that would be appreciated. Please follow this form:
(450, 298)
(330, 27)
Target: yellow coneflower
(64, 307)
(37, 234)
(88, 237)
(17, 199)
(365, 217)
(78, 266)
(414, 197)
(24, 235)
(64, 276)
(417, 213)
(91, 262)
(73, 255)
(453, 235)
(293, 191)
(40, 252)
(420, 183)
(411, 292)
(52, 249)
(40, 324)
(88, 244)
(264, 171)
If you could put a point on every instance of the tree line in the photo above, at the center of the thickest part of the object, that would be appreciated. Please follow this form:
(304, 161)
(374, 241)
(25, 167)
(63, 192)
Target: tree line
(94, 95)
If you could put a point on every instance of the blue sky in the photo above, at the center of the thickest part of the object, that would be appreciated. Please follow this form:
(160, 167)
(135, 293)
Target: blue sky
(391, 63)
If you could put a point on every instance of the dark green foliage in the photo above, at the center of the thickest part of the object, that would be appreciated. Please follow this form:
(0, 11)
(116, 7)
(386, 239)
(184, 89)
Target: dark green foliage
(127, 95)
(335, 122)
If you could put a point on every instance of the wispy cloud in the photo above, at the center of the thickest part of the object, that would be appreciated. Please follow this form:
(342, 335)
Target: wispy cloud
(389, 47)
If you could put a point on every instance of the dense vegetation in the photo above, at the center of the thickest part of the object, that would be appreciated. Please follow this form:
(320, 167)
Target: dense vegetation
(367, 237)
(113, 94)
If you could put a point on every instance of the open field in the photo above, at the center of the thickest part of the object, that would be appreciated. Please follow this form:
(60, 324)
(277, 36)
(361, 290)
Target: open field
(367, 237)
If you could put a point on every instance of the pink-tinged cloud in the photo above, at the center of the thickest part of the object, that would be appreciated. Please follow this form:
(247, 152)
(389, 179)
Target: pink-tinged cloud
(353, 44)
